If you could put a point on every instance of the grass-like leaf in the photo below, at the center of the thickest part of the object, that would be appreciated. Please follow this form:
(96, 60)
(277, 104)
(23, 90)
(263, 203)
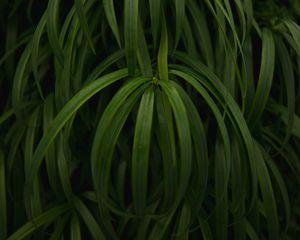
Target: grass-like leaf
(83, 22)
(131, 33)
(66, 113)
(45, 218)
(265, 78)
(140, 152)
(111, 17)
(52, 24)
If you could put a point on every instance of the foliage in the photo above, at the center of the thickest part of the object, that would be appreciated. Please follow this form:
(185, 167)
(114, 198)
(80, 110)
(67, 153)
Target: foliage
(159, 119)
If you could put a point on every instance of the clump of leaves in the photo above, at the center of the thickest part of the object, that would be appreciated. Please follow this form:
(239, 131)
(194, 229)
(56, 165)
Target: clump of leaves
(149, 119)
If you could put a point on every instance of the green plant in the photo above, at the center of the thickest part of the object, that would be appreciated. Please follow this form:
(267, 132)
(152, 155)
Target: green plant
(149, 119)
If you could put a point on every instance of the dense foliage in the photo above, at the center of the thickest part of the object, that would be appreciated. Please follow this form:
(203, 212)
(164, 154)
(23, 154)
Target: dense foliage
(149, 119)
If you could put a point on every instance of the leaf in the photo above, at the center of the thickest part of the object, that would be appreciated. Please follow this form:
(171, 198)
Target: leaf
(161, 226)
(269, 202)
(294, 31)
(281, 184)
(201, 32)
(287, 73)
(60, 226)
(111, 18)
(34, 203)
(183, 223)
(52, 29)
(221, 192)
(162, 58)
(265, 78)
(131, 33)
(180, 14)
(167, 145)
(284, 115)
(251, 232)
(35, 51)
(63, 168)
(20, 80)
(238, 189)
(83, 22)
(212, 105)
(205, 229)
(88, 219)
(104, 64)
(189, 40)
(143, 53)
(213, 84)
(45, 218)
(155, 16)
(184, 136)
(66, 113)
(140, 152)
(50, 154)
(67, 23)
(107, 133)
(13, 49)
(75, 233)
(200, 174)
(106, 136)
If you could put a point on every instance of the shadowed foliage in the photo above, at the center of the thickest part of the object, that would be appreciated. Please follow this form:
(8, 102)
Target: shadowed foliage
(150, 119)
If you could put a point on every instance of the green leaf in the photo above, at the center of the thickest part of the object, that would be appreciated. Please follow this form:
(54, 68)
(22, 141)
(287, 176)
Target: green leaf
(52, 29)
(251, 232)
(205, 229)
(19, 81)
(160, 228)
(287, 73)
(111, 18)
(88, 219)
(162, 58)
(66, 113)
(83, 22)
(265, 78)
(63, 168)
(200, 26)
(212, 105)
(140, 152)
(13, 49)
(35, 51)
(294, 30)
(269, 202)
(200, 165)
(166, 140)
(155, 16)
(75, 233)
(45, 218)
(281, 184)
(213, 84)
(59, 227)
(284, 115)
(104, 64)
(107, 133)
(106, 136)
(50, 154)
(189, 40)
(34, 202)
(180, 15)
(143, 53)
(221, 194)
(184, 137)
(183, 223)
(131, 33)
